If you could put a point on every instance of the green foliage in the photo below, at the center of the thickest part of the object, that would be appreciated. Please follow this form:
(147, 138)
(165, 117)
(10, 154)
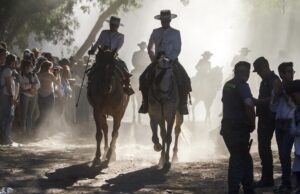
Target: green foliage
(50, 20)
(47, 20)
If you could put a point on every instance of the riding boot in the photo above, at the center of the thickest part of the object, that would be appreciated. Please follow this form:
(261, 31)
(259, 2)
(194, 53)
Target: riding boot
(183, 109)
(144, 107)
(128, 89)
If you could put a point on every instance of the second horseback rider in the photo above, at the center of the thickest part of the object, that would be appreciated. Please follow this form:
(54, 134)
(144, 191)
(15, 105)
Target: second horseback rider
(165, 42)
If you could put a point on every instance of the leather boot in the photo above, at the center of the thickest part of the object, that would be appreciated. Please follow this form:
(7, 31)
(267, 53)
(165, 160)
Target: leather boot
(183, 109)
(128, 89)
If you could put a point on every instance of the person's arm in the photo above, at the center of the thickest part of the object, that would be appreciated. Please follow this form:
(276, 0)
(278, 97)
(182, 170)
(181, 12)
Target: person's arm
(37, 83)
(250, 111)
(150, 48)
(176, 46)
(120, 43)
(99, 42)
(246, 95)
(8, 84)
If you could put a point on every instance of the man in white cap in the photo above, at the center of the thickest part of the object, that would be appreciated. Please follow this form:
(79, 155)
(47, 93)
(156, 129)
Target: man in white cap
(165, 41)
(113, 40)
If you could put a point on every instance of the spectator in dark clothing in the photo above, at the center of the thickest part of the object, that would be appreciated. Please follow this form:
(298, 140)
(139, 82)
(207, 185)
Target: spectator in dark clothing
(284, 108)
(293, 90)
(237, 124)
(266, 120)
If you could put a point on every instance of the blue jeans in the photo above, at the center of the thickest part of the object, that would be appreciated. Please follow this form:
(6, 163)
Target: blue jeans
(7, 117)
(27, 105)
(285, 144)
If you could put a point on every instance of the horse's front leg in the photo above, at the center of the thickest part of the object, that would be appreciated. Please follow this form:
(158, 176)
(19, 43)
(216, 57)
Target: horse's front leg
(163, 132)
(97, 118)
(170, 123)
(154, 128)
(179, 121)
(105, 134)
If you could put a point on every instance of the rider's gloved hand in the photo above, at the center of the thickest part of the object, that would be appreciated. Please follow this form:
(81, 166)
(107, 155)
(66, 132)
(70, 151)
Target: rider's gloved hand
(91, 52)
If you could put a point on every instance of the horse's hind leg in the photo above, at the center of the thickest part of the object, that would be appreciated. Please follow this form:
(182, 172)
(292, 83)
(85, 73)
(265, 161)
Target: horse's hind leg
(111, 154)
(179, 121)
(97, 118)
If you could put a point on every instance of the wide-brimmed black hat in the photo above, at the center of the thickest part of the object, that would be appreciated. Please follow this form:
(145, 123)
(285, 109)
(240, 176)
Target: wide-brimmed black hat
(115, 20)
(165, 14)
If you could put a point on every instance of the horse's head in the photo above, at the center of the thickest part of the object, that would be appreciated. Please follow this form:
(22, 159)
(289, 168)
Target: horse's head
(163, 80)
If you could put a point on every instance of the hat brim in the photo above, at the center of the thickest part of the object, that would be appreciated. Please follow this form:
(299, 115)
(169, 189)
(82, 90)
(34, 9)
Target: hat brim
(159, 17)
(120, 24)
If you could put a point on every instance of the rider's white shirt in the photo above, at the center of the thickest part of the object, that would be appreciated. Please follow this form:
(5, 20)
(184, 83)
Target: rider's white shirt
(166, 40)
(109, 39)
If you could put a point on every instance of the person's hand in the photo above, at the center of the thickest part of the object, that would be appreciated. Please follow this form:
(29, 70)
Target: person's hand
(91, 52)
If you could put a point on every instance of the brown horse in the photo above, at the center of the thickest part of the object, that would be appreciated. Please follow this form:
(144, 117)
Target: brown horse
(107, 97)
(163, 109)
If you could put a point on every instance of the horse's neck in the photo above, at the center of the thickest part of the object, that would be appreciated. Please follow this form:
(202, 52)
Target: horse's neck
(164, 79)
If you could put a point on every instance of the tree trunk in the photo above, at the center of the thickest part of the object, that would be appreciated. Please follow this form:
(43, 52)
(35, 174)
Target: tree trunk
(97, 27)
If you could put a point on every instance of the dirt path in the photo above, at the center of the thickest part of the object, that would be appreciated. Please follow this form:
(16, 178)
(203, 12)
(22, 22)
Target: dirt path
(33, 169)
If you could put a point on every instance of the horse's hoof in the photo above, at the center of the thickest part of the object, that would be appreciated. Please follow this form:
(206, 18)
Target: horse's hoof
(167, 166)
(96, 162)
(157, 147)
(113, 157)
(161, 162)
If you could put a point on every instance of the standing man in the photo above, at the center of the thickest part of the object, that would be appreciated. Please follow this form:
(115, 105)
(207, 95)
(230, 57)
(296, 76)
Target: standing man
(166, 42)
(266, 120)
(237, 124)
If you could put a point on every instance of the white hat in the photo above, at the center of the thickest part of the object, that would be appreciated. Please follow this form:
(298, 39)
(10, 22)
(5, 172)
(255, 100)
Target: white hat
(165, 14)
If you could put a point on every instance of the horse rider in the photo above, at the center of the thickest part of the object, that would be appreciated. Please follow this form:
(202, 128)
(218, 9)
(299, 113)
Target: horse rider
(112, 40)
(140, 57)
(165, 42)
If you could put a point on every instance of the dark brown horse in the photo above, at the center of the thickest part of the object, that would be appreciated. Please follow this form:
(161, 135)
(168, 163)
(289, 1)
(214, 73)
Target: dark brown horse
(107, 97)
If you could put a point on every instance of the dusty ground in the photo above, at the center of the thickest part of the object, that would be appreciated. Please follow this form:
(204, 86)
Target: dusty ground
(52, 167)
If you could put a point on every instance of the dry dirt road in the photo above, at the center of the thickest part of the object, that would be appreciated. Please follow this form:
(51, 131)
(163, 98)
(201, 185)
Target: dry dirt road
(66, 169)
